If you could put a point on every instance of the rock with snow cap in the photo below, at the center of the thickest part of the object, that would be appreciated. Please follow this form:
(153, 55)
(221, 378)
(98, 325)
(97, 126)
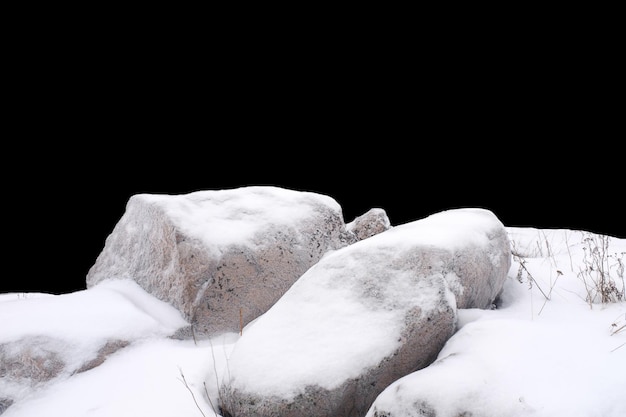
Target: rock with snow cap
(221, 257)
(371, 223)
(34, 361)
(82, 331)
(472, 250)
(364, 316)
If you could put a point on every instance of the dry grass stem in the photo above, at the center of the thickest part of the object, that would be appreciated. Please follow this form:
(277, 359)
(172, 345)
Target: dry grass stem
(184, 381)
(522, 268)
(602, 271)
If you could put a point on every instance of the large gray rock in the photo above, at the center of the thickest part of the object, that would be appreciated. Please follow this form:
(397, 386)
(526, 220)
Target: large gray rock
(221, 257)
(364, 316)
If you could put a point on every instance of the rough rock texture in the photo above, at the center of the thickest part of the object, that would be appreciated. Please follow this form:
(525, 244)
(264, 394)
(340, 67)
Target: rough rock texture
(371, 223)
(476, 275)
(4, 404)
(37, 359)
(104, 352)
(221, 257)
(417, 408)
(45, 339)
(33, 361)
(420, 335)
(372, 312)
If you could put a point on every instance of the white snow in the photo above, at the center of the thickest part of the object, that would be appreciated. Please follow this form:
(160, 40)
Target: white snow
(224, 217)
(443, 229)
(145, 379)
(113, 309)
(533, 356)
(559, 357)
(328, 337)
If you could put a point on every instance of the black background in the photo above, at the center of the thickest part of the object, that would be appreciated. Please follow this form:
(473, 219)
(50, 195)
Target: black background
(527, 128)
(58, 218)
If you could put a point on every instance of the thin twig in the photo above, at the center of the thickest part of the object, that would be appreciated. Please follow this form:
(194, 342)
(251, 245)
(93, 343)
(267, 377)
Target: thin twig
(619, 329)
(193, 334)
(571, 265)
(190, 391)
(206, 391)
(217, 380)
(523, 266)
(240, 322)
(558, 274)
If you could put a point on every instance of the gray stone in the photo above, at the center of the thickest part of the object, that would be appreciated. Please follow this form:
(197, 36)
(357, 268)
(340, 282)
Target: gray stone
(422, 334)
(366, 314)
(4, 404)
(220, 257)
(371, 223)
(477, 272)
(35, 361)
(32, 359)
(103, 353)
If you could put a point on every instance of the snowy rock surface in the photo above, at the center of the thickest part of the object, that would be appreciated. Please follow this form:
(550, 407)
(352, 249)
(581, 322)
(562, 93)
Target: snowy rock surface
(371, 223)
(531, 357)
(364, 316)
(472, 250)
(81, 331)
(501, 363)
(221, 257)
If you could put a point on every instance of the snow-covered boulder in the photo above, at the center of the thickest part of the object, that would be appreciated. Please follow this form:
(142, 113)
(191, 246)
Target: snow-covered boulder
(221, 257)
(364, 316)
(502, 363)
(371, 223)
(81, 330)
(472, 250)
(32, 359)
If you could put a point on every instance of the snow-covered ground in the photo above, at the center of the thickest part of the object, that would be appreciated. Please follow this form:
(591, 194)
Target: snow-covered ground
(551, 348)
(545, 351)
